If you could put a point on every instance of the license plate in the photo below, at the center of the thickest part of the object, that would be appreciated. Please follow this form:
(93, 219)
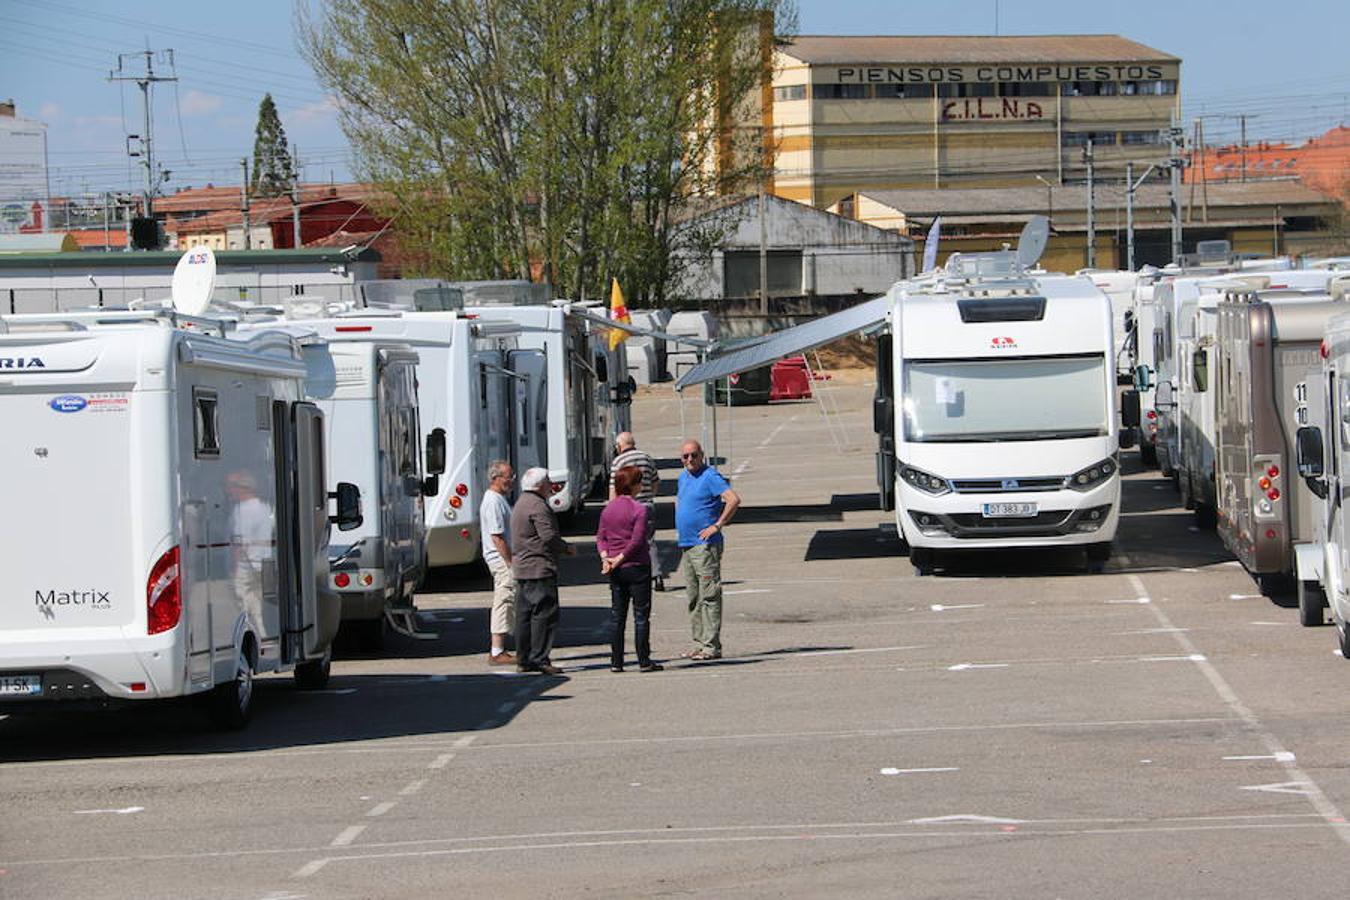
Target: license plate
(20, 685)
(1009, 510)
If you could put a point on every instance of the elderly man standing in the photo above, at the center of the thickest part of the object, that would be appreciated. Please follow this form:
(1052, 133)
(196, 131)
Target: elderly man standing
(704, 504)
(495, 518)
(627, 454)
(535, 545)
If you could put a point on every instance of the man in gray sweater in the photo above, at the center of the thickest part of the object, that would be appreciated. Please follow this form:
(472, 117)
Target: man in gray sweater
(535, 545)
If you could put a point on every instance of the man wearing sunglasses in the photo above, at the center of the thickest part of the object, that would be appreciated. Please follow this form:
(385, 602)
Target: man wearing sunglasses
(704, 504)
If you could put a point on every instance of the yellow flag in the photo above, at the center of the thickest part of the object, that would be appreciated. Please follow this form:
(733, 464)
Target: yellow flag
(618, 312)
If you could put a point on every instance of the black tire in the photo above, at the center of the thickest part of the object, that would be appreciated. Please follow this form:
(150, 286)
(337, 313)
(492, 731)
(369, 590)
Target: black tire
(1206, 516)
(1311, 602)
(312, 674)
(1343, 634)
(1148, 455)
(922, 560)
(231, 703)
(1096, 556)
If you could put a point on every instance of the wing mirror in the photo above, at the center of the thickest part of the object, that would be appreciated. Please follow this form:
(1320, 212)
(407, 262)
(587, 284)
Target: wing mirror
(1308, 443)
(431, 485)
(348, 497)
(1129, 409)
(1163, 401)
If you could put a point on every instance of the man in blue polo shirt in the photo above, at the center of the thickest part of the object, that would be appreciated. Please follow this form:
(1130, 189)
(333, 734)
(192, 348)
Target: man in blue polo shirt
(704, 504)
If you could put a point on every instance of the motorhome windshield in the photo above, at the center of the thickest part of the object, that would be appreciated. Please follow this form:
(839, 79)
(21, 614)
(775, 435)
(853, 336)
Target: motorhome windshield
(1026, 399)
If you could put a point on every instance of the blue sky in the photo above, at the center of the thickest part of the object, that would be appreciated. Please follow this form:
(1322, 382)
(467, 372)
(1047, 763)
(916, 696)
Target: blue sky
(1282, 63)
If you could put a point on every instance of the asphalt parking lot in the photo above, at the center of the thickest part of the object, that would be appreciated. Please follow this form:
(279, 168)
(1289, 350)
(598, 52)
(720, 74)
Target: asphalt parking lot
(1011, 727)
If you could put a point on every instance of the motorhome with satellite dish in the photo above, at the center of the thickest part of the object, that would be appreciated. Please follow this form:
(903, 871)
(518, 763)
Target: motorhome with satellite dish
(1322, 450)
(206, 561)
(1269, 360)
(366, 385)
(996, 404)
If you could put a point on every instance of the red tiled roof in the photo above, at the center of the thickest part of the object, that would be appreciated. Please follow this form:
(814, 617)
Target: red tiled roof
(91, 238)
(1322, 163)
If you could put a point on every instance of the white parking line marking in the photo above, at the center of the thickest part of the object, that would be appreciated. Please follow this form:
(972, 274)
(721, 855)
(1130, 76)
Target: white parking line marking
(967, 817)
(938, 607)
(1194, 657)
(347, 836)
(125, 811)
(441, 761)
(1281, 757)
(964, 667)
(1283, 787)
(310, 868)
(773, 434)
(1154, 631)
(892, 771)
(339, 691)
(748, 591)
(1329, 812)
(1244, 596)
(412, 788)
(861, 650)
(465, 741)
(740, 469)
(1140, 600)
(380, 809)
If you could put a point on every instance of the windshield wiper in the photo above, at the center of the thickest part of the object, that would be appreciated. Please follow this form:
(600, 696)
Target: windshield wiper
(990, 436)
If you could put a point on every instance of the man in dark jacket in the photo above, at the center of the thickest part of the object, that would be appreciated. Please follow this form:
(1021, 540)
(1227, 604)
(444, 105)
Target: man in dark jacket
(535, 545)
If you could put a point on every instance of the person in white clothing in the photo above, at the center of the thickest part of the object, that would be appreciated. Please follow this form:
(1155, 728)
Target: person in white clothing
(495, 518)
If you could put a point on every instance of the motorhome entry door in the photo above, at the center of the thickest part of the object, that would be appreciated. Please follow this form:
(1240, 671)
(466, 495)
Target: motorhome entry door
(529, 410)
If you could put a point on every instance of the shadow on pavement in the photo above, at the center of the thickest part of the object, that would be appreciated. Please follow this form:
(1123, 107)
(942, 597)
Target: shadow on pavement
(854, 543)
(352, 708)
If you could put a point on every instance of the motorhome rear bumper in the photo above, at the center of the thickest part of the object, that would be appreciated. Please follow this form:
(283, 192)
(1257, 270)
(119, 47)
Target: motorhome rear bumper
(453, 545)
(147, 669)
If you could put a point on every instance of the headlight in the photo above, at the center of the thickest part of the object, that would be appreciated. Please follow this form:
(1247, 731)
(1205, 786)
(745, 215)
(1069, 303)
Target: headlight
(1093, 475)
(929, 484)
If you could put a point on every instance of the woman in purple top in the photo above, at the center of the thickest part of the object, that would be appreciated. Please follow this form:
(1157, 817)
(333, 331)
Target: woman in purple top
(625, 531)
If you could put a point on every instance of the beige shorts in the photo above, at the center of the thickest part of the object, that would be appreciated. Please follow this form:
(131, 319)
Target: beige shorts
(503, 619)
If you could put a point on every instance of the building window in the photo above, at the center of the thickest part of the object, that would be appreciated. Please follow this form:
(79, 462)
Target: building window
(1139, 138)
(1026, 89)
(1098, 138)
(965, 89)
(1090, 89)
(790, 92)
(841, 91)
(904, 91)
(740, 273)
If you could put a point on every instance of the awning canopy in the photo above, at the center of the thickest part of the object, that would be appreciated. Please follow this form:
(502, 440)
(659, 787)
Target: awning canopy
(789, 342)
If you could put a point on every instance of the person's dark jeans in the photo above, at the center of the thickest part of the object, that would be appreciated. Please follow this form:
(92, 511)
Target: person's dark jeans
(536, 620)
(630, 584)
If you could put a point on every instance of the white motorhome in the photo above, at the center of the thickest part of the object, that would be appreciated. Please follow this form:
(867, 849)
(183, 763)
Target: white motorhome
(207, 559)
(366, 384)
(1000, 408)
(1323, 458)
(1119, 288)
(572, 395)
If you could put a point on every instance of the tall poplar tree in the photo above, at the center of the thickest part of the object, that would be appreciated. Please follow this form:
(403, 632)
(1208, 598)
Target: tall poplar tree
(273, 171)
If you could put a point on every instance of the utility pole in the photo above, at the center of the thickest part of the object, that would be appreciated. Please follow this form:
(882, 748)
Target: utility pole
(1091, 208)
(1130, 187)
(146, 81)
(295, 199)
(1175, 163)
(1242, 124)
(763, 259)
(243, 205)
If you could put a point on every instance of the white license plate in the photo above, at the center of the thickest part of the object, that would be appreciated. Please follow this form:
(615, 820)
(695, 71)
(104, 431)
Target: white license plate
(1009, 510)
(20, 685)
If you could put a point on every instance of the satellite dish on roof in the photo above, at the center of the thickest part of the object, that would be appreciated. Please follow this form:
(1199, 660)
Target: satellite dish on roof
(1031, 244)
(194, 278)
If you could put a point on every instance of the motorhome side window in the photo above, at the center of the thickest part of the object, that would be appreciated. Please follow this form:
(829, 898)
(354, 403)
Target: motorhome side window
(205, 423)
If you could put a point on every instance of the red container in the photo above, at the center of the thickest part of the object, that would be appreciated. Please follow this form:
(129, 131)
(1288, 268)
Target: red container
(791, 379)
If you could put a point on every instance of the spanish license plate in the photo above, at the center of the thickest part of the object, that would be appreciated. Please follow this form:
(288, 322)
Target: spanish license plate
(1009, 510)
(20, 685)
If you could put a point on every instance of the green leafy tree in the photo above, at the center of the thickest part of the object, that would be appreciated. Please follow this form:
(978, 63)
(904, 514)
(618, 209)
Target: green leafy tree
(560, 136)
(273, 171)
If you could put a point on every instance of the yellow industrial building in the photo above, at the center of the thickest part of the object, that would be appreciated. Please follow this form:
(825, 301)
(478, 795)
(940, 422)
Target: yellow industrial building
(849, 115)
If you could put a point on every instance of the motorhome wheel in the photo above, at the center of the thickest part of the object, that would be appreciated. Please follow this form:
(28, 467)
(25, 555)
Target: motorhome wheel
(1311, 601)
(232, 702)
(312, 675)
(922, 560)
(1344, 639)
(1206, 516)
(1148, 455)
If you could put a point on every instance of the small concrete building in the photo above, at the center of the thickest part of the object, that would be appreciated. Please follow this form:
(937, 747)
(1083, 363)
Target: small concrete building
(811, 253)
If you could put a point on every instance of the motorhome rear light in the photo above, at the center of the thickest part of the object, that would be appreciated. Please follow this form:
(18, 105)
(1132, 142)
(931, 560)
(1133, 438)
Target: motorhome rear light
(1323, 348)
(1264, 484)
(353, 328)
(1270, 534)
(367, 579)
(1273, 471)
(1273, 493)
(163, 599)
(464, 533)
(450, 514)
(137, 687)
(456, 502)
(462, 489)
(1152, 414)
(342, 579)
(1264, 507)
